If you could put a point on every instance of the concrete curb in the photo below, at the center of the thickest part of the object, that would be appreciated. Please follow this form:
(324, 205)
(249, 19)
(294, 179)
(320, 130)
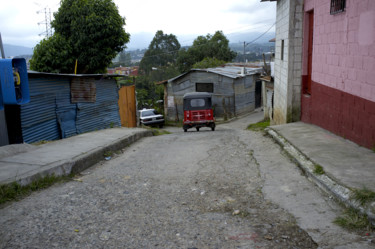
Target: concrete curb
(80, 162)
(325, 182)
(218, 122)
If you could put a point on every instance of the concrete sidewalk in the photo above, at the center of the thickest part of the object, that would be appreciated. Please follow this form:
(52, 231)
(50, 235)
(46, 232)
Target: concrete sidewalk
(25, 163)
(347, 166)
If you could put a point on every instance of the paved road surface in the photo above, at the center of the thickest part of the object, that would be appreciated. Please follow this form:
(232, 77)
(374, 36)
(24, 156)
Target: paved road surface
(230, 188)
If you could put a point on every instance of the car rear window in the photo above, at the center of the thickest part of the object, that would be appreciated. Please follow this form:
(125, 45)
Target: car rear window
(148, 113)
(197, 103)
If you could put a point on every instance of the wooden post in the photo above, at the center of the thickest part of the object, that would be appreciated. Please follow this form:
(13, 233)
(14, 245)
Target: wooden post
(75, 68)
(175, 104)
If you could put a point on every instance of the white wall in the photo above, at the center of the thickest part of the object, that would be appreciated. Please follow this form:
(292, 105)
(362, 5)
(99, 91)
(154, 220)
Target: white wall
(287, 103)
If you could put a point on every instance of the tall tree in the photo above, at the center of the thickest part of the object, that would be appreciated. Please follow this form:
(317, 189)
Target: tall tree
(216, 46)
(90, 31)
(125, 59)
(161, 52)
(158, 63)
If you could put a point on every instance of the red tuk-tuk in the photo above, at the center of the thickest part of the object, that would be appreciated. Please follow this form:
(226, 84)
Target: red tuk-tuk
(198, 111)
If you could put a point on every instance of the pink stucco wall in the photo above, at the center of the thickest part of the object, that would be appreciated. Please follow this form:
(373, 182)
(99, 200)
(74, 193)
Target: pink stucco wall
(344, 47)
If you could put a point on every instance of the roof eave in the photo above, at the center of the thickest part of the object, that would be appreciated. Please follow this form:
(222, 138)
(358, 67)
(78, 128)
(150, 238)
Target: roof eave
(30, 72)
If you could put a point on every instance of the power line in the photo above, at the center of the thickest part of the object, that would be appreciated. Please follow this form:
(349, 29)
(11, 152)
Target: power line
(261, 34)
(240, 30)
(245, 44)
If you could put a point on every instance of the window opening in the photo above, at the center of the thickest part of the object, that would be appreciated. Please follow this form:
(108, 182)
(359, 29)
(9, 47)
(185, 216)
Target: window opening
(204, 87)
(337, 6)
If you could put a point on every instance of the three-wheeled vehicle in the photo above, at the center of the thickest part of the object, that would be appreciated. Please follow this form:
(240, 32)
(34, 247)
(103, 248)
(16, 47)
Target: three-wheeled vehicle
(198, 111)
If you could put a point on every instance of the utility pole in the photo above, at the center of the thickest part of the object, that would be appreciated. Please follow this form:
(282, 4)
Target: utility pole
(2, 48)
(244, 54)
(47, 22)
(244, 45)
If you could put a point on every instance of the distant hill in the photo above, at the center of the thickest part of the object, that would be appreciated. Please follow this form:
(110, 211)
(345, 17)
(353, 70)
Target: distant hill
(142, 40)
(12, 51)
(253, 37)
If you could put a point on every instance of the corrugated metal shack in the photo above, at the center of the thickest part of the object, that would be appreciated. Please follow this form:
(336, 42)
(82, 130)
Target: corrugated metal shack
(232, 88)
(64, 105)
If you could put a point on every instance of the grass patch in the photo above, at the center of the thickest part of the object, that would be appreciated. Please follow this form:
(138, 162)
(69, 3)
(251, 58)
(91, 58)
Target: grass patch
(260, 126)
(173, 123)
(159, 132)
(318, 169)
(363, 196)
(14, 191)
(353, 220)
(41, 142)
(108, 153)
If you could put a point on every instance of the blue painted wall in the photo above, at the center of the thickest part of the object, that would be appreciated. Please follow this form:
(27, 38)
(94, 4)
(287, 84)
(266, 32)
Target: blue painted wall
(50, 115)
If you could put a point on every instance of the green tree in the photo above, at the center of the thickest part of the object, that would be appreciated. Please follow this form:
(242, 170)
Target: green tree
(161, 52)
(208, 63)
(125, 59)
(93, 34)
(53, 55)
(158, 63)
(209, 46)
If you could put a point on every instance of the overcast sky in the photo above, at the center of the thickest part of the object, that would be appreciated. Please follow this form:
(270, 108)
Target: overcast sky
(186, 19)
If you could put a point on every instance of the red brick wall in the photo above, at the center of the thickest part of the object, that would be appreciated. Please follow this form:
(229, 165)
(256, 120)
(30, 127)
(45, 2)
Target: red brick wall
(344, 114)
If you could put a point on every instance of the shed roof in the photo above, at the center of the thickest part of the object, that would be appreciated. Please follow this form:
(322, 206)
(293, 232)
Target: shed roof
(230, 72)
(35, 73)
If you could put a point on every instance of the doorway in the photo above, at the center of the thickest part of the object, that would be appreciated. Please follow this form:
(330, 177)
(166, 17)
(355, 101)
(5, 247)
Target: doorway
(309, 51)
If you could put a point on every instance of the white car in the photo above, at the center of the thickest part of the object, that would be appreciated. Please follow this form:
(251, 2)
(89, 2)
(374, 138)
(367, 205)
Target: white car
(151, 117)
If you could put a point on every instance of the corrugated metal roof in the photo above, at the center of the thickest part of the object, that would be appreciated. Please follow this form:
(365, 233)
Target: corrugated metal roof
(51, 115)
(38, 117)
(230, 72)
(102, 114)
(96, 76)
(234, 72)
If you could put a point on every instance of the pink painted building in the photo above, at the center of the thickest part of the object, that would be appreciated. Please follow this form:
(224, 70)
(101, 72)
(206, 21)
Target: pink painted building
(341, 97)
(337, 89)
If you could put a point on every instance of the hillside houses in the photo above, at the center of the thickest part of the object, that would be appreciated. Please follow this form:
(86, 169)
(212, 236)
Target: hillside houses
(127, 71)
